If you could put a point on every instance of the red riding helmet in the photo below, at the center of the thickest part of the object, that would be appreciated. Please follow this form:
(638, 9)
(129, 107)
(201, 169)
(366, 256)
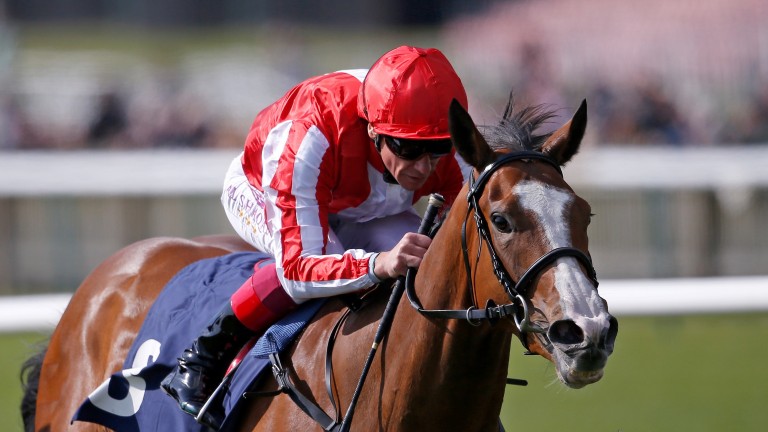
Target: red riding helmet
(407, 92)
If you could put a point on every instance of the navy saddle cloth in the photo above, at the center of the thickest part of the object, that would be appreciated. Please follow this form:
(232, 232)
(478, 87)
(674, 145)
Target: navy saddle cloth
(131, 400)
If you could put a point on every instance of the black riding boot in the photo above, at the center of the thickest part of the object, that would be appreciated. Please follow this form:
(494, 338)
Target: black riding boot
(202, 366)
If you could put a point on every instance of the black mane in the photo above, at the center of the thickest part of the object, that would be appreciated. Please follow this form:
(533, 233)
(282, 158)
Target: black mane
(517, 130)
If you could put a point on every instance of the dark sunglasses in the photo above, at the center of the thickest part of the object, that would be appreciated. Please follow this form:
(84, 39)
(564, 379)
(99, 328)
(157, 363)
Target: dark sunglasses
(414, 149)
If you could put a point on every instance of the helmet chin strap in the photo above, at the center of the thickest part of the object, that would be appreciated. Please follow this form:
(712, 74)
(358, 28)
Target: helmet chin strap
(388, 177)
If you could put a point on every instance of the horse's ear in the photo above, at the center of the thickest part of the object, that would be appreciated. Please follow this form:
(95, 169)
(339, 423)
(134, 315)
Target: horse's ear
(469, 142)
(564, 142)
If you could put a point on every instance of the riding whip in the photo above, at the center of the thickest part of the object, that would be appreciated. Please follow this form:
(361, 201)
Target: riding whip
(435, 203)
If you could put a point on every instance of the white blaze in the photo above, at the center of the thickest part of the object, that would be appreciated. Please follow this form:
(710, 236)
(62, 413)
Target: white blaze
(578, 296)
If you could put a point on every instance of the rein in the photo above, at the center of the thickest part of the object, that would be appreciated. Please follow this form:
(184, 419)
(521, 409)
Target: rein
(516, 291)
(281, 374)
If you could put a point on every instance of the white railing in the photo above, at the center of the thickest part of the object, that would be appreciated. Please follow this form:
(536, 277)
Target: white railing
(733, 172)
(625, 298)
(113, 173)
(163, 172)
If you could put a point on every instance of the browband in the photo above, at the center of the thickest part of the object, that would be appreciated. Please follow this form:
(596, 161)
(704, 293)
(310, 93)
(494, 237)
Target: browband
(476, 187)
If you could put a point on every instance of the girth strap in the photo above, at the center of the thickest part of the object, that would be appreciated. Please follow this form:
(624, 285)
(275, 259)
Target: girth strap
(285, 385)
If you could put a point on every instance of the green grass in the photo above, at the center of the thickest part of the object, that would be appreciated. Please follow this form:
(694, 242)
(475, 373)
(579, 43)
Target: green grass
(14, 349)
(703, 373)
(697, 373)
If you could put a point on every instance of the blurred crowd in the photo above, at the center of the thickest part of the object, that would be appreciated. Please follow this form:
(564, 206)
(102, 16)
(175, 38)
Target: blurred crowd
(647, 112)
(642, 115)
(115, 122)
(682, 73)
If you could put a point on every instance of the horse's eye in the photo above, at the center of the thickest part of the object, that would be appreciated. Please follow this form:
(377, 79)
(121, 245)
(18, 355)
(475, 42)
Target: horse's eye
(501, 223)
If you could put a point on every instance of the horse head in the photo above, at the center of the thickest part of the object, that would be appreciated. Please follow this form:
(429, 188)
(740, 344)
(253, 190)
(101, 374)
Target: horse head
(527, 246)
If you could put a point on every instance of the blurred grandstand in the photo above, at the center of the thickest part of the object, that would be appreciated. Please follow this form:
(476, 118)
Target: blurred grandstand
(674, 72)
(681, 72)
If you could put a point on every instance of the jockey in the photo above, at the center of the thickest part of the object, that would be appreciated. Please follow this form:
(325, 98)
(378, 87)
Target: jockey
(326, 184)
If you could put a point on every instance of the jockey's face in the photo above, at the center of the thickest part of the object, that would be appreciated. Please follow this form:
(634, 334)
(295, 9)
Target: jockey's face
(410, 174)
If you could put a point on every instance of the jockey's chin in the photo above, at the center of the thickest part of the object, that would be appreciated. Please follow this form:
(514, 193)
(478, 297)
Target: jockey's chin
(411, 182)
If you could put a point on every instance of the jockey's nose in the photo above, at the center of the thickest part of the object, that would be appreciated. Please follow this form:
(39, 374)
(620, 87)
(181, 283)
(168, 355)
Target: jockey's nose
(425, 164)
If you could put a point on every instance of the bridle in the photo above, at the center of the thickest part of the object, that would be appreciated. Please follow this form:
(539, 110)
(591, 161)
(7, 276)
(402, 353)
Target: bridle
(517, 308)
(516, 291)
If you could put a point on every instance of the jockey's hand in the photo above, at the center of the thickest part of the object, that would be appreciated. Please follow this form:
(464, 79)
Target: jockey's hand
(408, 252)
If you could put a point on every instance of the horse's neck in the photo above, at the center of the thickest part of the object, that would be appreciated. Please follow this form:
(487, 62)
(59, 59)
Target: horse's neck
(459, 366)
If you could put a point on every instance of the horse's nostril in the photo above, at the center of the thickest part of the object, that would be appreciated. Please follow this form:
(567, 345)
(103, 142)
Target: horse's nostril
(566, 332)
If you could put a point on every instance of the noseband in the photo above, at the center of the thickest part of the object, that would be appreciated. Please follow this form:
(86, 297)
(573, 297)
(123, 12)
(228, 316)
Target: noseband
(516, 291)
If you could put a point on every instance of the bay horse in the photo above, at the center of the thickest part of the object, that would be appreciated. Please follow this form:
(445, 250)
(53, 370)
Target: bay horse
(432, 373)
